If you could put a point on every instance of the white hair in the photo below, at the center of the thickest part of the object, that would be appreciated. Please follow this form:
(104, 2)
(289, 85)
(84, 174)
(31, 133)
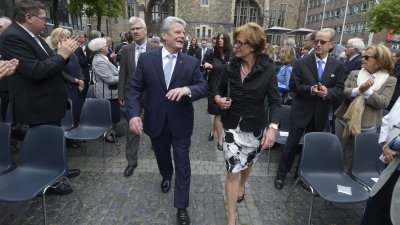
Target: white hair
(329, 30)
(97, 44)
(135, 19)
(167, 23)
(290, 42)
(356, 43)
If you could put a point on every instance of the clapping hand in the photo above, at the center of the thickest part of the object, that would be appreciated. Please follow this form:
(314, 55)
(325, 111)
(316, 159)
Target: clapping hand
(8, 67)
(366, 85)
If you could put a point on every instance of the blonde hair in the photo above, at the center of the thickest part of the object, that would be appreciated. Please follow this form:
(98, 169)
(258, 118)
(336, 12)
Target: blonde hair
(383, 57)
(56, 36)
(254, 35)
(269, 50)
(287, 55)
(108, 41)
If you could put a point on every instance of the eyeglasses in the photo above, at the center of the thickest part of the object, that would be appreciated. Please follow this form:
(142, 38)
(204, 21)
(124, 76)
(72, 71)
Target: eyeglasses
(240, 43)
(42, 18)
(321, 42)
(366, 57)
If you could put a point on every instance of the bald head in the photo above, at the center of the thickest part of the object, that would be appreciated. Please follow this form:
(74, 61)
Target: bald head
(4, 23)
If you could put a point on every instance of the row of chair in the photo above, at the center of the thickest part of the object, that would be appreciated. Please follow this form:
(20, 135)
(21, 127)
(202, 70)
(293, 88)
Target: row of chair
(40, 167)
(322, 168)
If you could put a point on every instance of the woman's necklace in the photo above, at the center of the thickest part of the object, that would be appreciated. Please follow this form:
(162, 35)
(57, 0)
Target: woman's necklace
(241, 68)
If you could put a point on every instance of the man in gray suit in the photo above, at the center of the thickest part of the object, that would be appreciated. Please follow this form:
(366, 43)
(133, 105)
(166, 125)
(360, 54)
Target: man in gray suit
(129, 57)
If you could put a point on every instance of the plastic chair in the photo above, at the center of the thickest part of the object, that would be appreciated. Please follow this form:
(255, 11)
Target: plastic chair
(364, 164)
(95, 122)
(67, 122)
(41, 166)
(322, 169)
(6, 162)
(91, 92)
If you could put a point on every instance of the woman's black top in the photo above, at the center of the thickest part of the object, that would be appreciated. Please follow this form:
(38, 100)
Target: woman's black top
(247, 109)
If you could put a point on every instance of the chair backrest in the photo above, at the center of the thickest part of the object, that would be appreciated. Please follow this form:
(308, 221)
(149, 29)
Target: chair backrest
(321, 153)
(67, 122)
(91, 92)
(285, 114)
(44, 149)
(6, 161)
(96, 112)
(366, 153)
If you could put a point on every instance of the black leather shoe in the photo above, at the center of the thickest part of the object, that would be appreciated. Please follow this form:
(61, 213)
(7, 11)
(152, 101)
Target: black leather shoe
(61, 189)
(182, 217)
(210, 137)
(279, 180)
(110, 139)
(129, 171)
(240, 198)
(73, 173)
(165, 185)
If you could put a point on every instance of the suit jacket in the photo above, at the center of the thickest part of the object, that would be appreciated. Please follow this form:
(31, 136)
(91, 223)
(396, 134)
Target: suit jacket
(127, 66)
(84, 63)
(149, 77)
(105, 76)
(354, 64)
(305, 106)
(37, 91)
(198, 54)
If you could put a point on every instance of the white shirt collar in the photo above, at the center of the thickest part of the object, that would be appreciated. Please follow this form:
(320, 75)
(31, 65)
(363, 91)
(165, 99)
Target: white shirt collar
(324, 59)
(165, 53)
(142, 46)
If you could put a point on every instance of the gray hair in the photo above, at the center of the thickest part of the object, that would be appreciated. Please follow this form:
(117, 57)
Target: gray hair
(135, 19)
(167, 23)
(78, 32)
(97, 44)
(356, 43)
(94, 34)
(290, 42)
(329, 30)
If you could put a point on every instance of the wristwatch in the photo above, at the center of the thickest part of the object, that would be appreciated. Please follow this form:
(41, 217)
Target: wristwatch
(273, 125)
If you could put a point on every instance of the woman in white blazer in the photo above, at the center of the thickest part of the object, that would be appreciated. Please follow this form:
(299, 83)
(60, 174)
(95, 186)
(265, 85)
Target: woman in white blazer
(105, 78)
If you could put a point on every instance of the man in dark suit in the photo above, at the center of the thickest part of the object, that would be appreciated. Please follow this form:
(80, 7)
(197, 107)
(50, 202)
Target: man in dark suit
(129, 56)
(316, 80)
(37, 92)
(83, 60)
(353, 51)
(202, 52)
(172, 81)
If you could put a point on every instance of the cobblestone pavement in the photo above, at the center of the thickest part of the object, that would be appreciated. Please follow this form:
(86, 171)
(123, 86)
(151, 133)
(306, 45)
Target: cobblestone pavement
(109, 198)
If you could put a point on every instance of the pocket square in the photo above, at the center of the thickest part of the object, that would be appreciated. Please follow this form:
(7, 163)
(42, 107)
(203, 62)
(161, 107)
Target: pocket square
(332, 75)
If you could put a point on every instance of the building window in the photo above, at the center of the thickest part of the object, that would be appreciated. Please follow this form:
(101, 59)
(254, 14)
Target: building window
(130, 6)
(281, 15)
(272, 16)
(204, 2)
(203, 32)
(155, 15)
(161, 9)
(245, 12)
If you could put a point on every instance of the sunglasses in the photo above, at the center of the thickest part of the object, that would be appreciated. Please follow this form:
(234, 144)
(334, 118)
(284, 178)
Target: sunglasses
(366, 57)
(321, 42)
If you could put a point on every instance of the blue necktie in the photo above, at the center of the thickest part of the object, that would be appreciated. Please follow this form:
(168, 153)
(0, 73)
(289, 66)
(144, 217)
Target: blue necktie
(320, 70)
(168, 69)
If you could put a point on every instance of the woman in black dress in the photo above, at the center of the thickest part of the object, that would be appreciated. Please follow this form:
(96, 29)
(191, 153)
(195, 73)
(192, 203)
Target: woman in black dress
(193, 47)
(215, 64)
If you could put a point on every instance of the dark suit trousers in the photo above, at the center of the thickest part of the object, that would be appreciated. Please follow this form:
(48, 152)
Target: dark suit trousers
(5, 100)
(289, 151)
(181, 146)
(132, 148)
(377, 210)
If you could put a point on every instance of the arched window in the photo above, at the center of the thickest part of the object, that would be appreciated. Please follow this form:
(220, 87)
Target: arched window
(245, 12)
(130, 6)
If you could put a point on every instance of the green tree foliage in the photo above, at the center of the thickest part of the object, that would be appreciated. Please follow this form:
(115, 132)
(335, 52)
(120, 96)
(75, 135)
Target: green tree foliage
(98, 8)
(384, 15)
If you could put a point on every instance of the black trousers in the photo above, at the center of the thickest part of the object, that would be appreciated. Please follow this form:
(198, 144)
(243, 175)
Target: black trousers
(181, 146)
(377, 210)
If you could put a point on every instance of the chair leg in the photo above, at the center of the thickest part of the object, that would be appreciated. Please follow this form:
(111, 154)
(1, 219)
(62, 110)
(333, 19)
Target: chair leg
(74, 190)
(116, 143)
(44, 205)
(291, 191)
(104, 157)
(311, 209)
(269, 158)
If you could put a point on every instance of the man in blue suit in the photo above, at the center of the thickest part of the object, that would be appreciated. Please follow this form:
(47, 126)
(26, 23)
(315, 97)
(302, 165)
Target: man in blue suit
(172, 81)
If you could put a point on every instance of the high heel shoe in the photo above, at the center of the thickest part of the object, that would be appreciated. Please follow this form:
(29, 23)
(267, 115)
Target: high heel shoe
(210, 137)
(240, 198)
(219, 147)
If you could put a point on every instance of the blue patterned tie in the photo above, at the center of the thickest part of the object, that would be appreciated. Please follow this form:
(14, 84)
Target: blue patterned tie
(168, 69)
(320, 70)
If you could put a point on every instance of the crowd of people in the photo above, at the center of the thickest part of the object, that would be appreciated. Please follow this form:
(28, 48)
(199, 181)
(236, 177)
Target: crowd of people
(244, 78)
